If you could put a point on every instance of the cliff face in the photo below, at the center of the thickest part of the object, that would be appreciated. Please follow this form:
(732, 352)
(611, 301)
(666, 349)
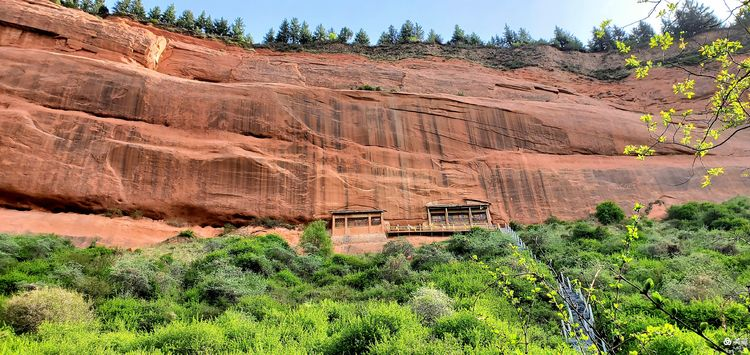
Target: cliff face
(97, 114)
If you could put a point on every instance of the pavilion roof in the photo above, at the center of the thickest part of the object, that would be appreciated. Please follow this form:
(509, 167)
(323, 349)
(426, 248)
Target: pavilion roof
(357, 211)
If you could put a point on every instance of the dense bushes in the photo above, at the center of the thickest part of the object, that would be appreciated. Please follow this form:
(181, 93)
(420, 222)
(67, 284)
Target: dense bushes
(379, 322)
(225, 284)
(466, 327)
(187, 338)
(687, 212)
(258, 295)
(431, 304)
(732, 215)
(582, 230)
(479, 242)
(26, 311)
(430, 255)
(398, 247)
(134, 314)
(315, 239)
(609, 212)
(134, 277)
(693, 259)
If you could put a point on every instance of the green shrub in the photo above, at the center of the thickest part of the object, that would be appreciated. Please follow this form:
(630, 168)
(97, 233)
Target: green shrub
(398, 247)
(364, 279)
(307, 265)
(113, 213)
(480, 242)
(716, 312)
(243, 335)
(428, 256)
(94, 260)
(396, 269)
(68, 274)
(316, 240)
(26, 311)
(14, 280)
(380, 322)
(187, 233)
(225, 284)
(369, 88)
(9, 247)
(687, 212)
(552, 220)
(287, 278)
(195, 309)
(431, 304)
(136, 214)
(134, 314)
(697, 276)
(465, 327)
(187, 338)
(7, 261)
(260, 306)
(94, 287)
(333, 269)
(516, 226)
(258, 264)
(726, 248)
(134, 276)
(582, 230)
(354, 262)
(28, 247)
(284, 255)
(713, 213)
(39, 267)
(730, 223)
(263, 245)
(668, 340)
(270, 223)
(663, 248)
(642, 269)
(228, 229)
(460, 279)
(609, 212)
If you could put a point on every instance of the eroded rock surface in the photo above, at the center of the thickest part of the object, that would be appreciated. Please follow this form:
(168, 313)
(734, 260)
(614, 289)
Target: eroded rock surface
(97, 114)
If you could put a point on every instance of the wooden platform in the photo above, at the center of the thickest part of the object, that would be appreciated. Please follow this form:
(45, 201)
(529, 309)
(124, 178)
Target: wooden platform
(435, 230)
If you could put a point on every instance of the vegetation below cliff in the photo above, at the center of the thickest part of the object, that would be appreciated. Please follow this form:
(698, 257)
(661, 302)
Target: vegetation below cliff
(258, 295)
(697, 261)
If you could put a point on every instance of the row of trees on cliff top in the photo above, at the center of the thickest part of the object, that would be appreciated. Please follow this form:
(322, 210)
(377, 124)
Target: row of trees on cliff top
(690, 19)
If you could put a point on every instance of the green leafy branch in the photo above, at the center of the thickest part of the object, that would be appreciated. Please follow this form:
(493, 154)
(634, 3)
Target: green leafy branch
(729, 103)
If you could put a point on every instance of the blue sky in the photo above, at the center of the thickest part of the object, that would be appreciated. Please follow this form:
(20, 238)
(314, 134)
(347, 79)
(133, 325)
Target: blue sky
(485, 17)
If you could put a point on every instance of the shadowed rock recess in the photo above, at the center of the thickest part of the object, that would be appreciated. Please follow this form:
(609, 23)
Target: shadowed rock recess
(98, 114)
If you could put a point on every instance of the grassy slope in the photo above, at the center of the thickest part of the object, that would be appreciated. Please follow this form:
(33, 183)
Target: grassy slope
(699, 260)
(237, 294)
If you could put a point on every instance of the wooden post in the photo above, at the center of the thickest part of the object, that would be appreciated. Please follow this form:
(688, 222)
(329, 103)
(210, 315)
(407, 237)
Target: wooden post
(346, 225)
(333, 225)
(446, 216)
(369, 224)
(471, 220)
(429, 216)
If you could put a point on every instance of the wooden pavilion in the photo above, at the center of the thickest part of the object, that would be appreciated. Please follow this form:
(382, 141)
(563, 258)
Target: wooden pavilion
(473, 213)
(357, 222)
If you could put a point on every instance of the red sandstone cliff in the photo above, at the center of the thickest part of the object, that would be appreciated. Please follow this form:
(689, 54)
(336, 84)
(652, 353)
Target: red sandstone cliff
(96, 114)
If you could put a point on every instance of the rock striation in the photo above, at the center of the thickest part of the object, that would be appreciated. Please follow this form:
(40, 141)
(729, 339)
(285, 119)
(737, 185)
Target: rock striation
(105, 113)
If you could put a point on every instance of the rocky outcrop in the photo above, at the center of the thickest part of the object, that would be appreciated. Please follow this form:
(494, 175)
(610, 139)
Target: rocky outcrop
(42, 24)
(214, 134)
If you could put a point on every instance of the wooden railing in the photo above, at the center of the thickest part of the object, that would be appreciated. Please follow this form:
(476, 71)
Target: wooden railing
(422, 228)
